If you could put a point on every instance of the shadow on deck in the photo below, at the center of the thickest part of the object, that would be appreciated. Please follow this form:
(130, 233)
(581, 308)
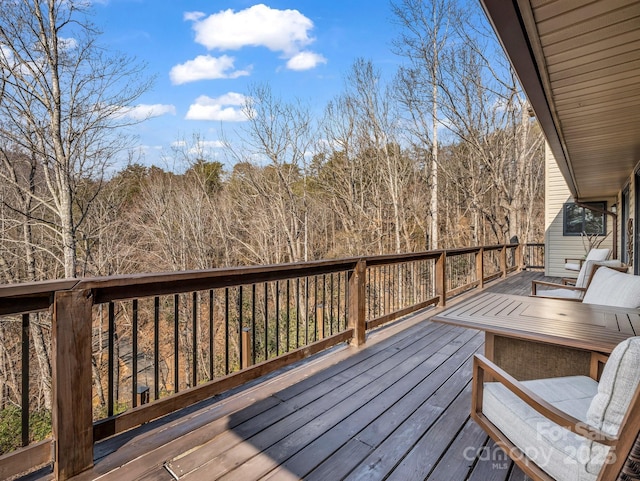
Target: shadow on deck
(395, 408)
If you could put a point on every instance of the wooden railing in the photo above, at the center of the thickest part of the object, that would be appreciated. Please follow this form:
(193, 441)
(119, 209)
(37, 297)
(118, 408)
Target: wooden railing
(129, 349)
(533, 256)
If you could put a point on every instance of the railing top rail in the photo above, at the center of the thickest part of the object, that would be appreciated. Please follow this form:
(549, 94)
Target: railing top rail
(31, 296)
(130, 286)
(395, 258)
(499, 246)
(34, 296)
(35, 288)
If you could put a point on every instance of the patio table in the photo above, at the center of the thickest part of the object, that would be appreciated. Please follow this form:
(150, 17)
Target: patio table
(534, 337)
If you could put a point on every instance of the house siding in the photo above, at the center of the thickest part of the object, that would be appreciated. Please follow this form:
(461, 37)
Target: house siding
(557, 246)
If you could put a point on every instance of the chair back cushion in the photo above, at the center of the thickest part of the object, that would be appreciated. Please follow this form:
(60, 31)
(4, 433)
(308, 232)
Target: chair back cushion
(584, 276)
(598, 255)
(617, 386)
(613, 288)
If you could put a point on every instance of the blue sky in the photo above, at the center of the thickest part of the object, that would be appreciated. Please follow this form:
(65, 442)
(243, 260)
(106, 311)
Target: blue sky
(205, 53)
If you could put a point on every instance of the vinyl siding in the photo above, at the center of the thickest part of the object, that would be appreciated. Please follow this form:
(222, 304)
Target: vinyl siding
(557, 246)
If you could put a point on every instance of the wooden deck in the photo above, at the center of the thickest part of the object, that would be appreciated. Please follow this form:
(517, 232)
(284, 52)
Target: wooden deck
(396, 408)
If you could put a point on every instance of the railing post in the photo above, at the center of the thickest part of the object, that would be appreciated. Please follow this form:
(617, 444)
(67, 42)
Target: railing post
(519, 258)
(480, 267)
(246, 347)
(441, 279)
(357, 320)
(72, 416)
(503, 260)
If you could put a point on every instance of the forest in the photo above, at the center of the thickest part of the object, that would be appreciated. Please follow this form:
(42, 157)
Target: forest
(445, 154)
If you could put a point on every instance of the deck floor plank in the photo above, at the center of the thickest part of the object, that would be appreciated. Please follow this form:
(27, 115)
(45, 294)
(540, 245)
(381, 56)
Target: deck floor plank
(493, 465)
(358, 413)
(279, 438)
(464, 447)
(383, 460)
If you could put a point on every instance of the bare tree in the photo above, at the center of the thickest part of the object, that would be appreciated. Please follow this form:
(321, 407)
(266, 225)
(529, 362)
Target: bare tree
(62, 99)
(457, 68)
(278, 136)
(427, 29)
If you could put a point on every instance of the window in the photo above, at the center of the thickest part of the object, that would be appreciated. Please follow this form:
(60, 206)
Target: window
(577, 219)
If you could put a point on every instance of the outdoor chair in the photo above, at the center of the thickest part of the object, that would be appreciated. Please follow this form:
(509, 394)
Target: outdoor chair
(572, 428)
(574, 289)
(592, 255)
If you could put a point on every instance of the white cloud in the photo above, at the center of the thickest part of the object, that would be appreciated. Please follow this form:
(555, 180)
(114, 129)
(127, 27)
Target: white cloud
(194, 16)
(285, 31)
(205, 67)
(226, 108)
(67, 43)
(212, 144)
(145, 111)
(305, 61)
(199, 146)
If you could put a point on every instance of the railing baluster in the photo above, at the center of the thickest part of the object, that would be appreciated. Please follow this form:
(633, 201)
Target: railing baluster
(306, 310)
(324, 303)
(212, 331)
(253, 323)
(297, 312)
(368, 276)
(266, 322)
(156, 347)
(134, 353)
(241, 347)
(338, 301)
(379, 291)
(374, 292)
(226, 330)
(25, 379)
(331, 306)
(194, 340)
(241, 353)
(315, 303)
(110, 361)
(394, 284)
(288, 319)
(176, 350)
(441, 279)
(277, 318)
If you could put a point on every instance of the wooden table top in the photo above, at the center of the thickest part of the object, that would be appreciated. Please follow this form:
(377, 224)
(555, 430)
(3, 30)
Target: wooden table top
(566, 323)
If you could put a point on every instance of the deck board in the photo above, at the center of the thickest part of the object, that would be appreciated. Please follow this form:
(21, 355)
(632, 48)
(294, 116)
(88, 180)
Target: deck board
(493, 465)
(461, 453)
(323, 409)
(396, 408)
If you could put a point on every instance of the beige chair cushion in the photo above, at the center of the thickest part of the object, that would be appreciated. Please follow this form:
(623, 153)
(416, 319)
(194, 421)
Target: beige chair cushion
(587, 268)
(598, 255)
(616, 388)
(557, 451)
(613, 288)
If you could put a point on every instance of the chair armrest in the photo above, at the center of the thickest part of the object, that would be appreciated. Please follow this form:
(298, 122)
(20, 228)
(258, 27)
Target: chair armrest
(535, 284)
(482, 366)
